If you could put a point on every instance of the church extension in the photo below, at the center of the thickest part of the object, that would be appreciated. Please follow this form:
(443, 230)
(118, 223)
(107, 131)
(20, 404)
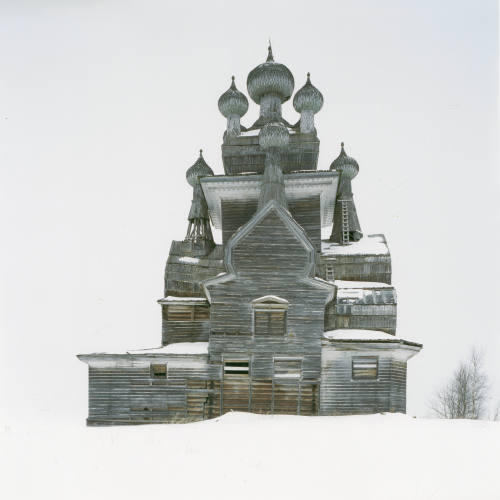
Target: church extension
(274, 320)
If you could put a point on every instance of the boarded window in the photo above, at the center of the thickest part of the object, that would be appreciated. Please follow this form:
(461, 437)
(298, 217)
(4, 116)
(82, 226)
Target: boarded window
(365, 367)
(159, 371)
(238, 367)
(270, 322)
(270, 316)
(287, 368)
(188, 313)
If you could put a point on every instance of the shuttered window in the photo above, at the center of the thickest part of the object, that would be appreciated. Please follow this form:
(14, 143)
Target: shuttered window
(270, 322)
(364, 367)
(188, 313)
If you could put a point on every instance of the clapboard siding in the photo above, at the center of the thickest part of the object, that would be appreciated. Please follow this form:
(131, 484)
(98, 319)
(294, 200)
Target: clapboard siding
(269, 260)
(343, 395)
(183, 331)
(357, 267)
(188, 265)
(306, 211)
(243, 154)
(125, 392)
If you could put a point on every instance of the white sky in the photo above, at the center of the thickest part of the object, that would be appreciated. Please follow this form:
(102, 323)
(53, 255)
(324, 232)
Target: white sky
(104, 105)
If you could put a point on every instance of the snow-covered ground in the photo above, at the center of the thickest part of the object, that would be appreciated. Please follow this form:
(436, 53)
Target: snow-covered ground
(242, 456)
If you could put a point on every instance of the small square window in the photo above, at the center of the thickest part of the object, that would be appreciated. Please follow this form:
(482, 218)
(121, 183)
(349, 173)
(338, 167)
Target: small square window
(364, 367)
(159, 371)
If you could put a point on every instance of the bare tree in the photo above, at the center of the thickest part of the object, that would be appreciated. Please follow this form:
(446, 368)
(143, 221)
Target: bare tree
(496, 413)
(466, 394)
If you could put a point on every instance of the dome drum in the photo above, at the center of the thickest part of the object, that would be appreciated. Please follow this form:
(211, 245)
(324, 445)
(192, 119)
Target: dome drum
(273, 135)
(308, 101)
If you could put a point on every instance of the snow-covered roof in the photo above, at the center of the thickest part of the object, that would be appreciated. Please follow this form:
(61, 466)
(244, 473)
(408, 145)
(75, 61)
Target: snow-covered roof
(363, 336)
(184, 300)
(373, 244)
(360, 284)
(352, 334)
(178, 348)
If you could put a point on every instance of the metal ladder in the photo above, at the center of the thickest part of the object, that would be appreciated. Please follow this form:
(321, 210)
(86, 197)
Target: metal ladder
(345, 222)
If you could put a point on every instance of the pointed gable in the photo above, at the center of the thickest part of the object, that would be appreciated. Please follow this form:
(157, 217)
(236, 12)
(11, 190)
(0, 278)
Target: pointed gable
(271, 242)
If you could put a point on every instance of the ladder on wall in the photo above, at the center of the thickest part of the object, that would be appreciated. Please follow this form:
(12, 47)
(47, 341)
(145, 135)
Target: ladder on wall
(345, 222)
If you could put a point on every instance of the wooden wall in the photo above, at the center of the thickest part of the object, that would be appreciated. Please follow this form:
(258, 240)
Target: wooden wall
(183, 331)
(270, 260)
(185, 270)
(341, 395)
(124, 392)
(358, 267)
(306, 211)
(243, 154)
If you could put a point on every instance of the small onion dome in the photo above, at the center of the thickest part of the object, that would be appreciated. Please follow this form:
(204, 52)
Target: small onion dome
(233, 102)
(273, 135)
(345, 164)
(199, 169)
(308, 98)
(270, 78)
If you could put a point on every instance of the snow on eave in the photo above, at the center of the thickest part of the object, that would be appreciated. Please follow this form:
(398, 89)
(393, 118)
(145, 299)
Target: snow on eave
(172, 300)
(373, 244)
(358, 335)
(180, 348)
(177, 348)
(360, 284)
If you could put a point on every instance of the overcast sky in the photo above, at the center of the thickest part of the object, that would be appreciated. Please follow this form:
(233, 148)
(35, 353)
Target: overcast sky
(104, 105)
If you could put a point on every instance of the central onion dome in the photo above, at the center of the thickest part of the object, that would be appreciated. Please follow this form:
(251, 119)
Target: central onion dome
(273, 135)
(345, 164)
(308, 98)
(270, 78)
(233, 102)
(197, 170)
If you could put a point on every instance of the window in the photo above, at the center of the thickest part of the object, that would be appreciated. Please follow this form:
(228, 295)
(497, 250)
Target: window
(364, 367)
(188, 313)
(270, 316)
(159, 371)
(236, 367)
(287, 368)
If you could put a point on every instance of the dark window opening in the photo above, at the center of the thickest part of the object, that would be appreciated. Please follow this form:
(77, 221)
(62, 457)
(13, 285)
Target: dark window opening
(236, 368)
(159, 371)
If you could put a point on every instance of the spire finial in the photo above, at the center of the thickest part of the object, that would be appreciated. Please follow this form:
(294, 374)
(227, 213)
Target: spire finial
(233, 85)
(342, 145)
(270, 52)
(308, 75)
(201, 153)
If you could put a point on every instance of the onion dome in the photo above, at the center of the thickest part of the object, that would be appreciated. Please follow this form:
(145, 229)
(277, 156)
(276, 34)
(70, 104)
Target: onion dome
(345, 164)
(233, 102)
(308, 98)
(199, 169)
(270, 78)
(273, 135)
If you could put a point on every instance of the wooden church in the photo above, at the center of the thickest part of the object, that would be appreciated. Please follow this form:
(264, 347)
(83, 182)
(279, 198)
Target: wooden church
(274, 320)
